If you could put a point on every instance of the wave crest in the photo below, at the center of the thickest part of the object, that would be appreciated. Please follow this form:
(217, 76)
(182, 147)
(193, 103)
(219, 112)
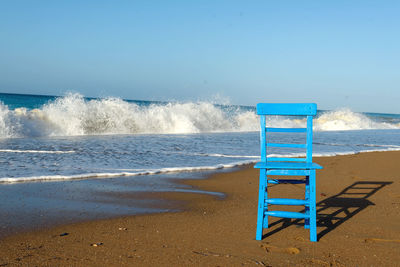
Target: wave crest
(345, 119)
(74, 115)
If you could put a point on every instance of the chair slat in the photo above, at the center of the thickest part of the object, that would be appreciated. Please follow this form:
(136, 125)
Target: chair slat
(287, 214)
(285, 130)
(286, 201)
(289, 172)
(286, 159)
(287, 145)
(287, 109)
(286, 181)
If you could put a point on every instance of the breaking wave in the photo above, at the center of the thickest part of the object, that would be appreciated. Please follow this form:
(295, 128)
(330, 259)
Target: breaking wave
(345, 119)
(74, 115)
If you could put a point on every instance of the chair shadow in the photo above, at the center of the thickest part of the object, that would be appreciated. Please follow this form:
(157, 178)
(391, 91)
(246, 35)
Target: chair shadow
(335, 210)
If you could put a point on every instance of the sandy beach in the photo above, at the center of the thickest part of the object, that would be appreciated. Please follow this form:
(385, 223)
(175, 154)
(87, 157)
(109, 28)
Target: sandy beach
(358, 203)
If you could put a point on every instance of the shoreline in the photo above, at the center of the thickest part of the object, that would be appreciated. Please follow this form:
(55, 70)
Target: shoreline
(173, 170)
(215, 231)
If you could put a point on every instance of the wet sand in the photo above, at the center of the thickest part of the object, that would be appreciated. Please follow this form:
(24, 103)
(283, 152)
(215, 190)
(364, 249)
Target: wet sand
(358, 207)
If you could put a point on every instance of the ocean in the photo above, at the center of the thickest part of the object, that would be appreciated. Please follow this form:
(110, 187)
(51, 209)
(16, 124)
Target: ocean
(75, 145)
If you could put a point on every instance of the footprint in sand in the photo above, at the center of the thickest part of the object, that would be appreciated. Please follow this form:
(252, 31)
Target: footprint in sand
(289, 250)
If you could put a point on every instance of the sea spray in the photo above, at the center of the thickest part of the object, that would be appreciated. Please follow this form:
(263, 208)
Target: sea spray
(5, 129)
(345, 119)
(74, 115)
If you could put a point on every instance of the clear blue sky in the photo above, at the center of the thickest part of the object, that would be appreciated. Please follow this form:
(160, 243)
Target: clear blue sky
(336, 53)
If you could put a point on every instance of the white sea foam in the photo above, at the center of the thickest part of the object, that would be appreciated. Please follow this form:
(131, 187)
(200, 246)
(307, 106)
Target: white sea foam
(36, 151)
(72, 115)
(360, 145)
(6, 125)
(337, 120)
(10, 180)
(345, 119)
(223, 155)
(144, 172)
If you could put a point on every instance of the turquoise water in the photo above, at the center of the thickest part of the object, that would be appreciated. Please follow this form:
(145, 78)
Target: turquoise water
(13, 101)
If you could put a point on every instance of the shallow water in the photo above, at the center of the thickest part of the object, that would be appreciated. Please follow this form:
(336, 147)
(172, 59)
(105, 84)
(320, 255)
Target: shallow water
(34, 205)
(87, 157)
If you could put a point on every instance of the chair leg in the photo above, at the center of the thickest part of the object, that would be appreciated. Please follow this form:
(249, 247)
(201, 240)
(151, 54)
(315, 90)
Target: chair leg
(313, 210)
(262, 221)
(307, 197)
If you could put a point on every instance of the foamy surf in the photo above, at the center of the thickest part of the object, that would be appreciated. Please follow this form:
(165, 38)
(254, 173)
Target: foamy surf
(73, 115)
(226, 156)
(35, 151)
(53, 178)
(126, 172)
(345, 119)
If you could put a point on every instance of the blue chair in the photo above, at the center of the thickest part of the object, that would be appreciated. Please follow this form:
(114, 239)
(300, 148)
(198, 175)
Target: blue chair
(287, 166)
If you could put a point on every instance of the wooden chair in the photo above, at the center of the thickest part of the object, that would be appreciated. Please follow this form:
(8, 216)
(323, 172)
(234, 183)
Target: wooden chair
(287, 166)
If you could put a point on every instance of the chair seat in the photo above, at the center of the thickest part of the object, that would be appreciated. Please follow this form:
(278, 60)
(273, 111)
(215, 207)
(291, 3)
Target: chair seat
(287, 165)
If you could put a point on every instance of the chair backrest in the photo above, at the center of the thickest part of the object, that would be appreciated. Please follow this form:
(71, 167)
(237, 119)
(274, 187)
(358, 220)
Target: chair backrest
(285, 109)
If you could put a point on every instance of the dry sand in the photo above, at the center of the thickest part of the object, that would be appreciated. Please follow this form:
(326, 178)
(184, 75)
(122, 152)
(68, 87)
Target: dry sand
(359, 225)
